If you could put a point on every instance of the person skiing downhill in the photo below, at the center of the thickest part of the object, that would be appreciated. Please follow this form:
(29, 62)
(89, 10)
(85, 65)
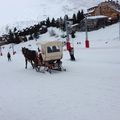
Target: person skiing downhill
(9, 56)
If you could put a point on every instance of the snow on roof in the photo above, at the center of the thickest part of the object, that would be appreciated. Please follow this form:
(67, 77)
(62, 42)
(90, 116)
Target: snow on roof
(92, 8)
(48, 42)
(90, 11)
(97, 17)
(74, 25)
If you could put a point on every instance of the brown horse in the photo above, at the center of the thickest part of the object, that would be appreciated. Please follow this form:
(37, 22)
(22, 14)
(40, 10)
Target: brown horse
(30, 55)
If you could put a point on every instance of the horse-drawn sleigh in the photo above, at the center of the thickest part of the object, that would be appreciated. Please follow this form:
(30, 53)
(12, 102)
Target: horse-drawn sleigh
(48, 58)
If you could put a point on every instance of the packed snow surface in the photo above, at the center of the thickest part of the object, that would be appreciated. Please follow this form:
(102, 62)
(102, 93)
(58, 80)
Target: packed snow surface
(88, 90)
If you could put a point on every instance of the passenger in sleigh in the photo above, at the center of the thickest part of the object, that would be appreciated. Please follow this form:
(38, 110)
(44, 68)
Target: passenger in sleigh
(39, 59)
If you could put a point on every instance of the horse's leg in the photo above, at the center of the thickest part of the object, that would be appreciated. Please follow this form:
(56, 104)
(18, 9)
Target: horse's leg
(26, 63)
(33, 64)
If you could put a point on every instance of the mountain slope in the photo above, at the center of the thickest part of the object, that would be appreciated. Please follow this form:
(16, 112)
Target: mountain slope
(88, 90)
(23, 10)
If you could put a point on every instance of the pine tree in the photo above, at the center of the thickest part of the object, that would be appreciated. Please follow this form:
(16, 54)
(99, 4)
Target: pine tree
(15, 29)
(74, 19)
(78, 17)
(30, 37)
(61, 23)
(16, 39)
(57, 24)
(11, 37)
(35, 35)
(82, 15)
(48, 22)
(73, 34)
(66, 17)
(43, 23)
(53, 22)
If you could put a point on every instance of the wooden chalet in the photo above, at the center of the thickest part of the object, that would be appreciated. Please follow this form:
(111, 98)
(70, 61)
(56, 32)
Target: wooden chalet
(109, 8)
(93, 23)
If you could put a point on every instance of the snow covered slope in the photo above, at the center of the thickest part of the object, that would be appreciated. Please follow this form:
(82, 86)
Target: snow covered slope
(33, 10)
(88, 90)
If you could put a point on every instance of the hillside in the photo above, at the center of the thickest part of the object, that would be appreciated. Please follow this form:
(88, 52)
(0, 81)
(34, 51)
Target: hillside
(88, 90)
(13, 12)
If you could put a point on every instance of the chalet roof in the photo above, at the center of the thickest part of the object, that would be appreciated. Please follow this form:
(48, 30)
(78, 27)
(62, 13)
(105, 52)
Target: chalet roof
(47, 42)
(92, 8)
(114, 5)
(74, 25)
(116, 9)
(97, 17)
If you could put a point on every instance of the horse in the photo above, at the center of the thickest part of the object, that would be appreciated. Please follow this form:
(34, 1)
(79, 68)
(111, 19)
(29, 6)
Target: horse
(30, 55)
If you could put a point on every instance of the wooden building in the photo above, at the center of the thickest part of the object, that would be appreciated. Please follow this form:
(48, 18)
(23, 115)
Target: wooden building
(93, 23)
(109, 8)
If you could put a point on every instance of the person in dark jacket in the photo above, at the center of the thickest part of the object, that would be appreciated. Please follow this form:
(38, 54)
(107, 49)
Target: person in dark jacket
(72, 54)
(9, 56)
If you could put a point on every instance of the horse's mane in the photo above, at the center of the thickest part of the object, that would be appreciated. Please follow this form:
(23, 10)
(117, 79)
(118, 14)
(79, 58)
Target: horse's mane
(29, 54)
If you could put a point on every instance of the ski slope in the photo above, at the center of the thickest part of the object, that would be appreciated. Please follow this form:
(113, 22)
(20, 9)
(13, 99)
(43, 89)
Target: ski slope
(88, 90)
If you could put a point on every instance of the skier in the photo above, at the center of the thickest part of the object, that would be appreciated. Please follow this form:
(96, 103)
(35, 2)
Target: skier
(9, 56)
(71, 51)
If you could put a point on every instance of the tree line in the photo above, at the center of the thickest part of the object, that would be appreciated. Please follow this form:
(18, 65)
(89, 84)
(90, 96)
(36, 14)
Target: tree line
(33, 32)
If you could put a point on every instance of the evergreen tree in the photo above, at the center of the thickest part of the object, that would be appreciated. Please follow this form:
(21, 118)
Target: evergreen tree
(48, 22)
(61, 23)
(35, 35)
(53, 22)
(16, 39)
(74, 19)
(11, 37)
(73, 34)
(24, 39)
(43, 23)
(57, 24)
(66, 17)
(31, 37)
(15, 29)
(78, 17)
(82, 15)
